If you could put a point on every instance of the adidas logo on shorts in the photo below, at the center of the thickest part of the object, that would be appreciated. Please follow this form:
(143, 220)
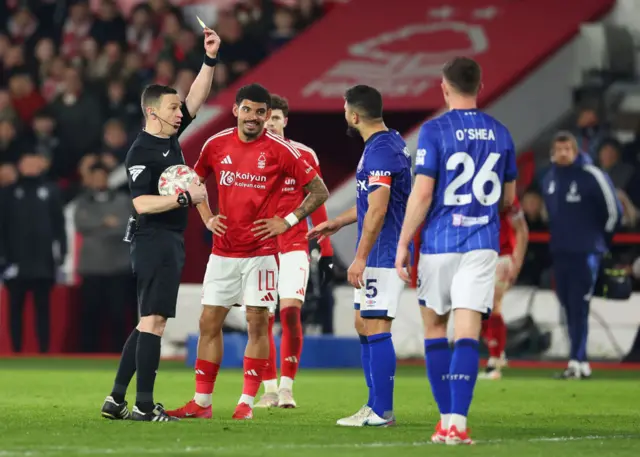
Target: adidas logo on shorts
(268, 297)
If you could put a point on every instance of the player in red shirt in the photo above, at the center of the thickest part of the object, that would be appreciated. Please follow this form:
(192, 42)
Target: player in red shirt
(293, 253)
(250, 166)
(514, 237)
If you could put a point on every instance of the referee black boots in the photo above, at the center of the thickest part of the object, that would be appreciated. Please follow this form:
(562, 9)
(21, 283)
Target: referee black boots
(114, 410)
(158, 414)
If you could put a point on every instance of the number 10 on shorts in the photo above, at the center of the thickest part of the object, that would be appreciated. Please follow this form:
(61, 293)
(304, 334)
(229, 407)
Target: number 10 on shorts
(266, 280)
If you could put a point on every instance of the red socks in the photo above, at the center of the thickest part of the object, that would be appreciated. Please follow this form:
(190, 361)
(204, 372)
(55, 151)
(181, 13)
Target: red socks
(270, 372)
(206, 373)
(495, 335)
(253, 373)
(291, 341)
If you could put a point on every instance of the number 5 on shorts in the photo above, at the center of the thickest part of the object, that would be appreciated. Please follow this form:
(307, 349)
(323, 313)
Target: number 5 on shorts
(371, 289)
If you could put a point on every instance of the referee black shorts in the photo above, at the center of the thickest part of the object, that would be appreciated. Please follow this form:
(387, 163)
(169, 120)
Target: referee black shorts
(157, 257)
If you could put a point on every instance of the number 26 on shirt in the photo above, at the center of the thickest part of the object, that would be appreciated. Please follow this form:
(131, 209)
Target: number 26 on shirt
(478, 180)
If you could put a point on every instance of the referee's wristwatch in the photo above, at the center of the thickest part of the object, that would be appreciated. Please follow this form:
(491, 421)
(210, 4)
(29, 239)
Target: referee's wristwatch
(184, 199)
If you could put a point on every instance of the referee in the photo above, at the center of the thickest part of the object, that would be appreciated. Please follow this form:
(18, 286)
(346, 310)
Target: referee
(157, 249)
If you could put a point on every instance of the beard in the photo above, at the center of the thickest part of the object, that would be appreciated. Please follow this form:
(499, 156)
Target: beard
(253, 134)
(353, 132)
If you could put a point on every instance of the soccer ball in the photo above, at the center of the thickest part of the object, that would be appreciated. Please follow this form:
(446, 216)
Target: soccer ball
(176, 179)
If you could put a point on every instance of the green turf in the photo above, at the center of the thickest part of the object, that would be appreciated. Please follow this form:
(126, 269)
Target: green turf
(52, 407)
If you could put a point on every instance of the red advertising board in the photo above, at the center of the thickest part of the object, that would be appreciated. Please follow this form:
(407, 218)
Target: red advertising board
(399, 47)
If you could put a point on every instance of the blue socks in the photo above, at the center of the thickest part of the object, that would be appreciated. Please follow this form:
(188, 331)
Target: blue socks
(463, 373)
(365, 356)
(383, 371)
(437, 355)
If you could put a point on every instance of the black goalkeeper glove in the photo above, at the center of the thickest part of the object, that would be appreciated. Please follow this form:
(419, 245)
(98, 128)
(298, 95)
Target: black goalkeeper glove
(325, 265)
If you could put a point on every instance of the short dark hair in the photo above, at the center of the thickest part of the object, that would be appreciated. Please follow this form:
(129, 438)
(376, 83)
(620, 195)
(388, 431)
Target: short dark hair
(281, 103)
(563, 136)
(152, 94)
(464, 74)
(254, 93)
(366, 100)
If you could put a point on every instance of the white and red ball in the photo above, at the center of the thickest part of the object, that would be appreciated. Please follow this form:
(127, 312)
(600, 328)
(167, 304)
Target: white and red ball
(176, 179)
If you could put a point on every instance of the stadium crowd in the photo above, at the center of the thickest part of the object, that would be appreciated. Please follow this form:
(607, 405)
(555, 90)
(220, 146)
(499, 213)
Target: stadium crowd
(70, 84)
(70, 80)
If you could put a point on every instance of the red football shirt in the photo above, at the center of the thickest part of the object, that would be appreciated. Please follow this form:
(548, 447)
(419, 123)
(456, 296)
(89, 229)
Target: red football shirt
(250, 178)
(507, 233)
(293, 194)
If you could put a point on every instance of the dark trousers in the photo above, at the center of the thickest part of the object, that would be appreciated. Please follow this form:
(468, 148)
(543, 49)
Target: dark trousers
(106, 298)
(18, 289)
(575, 278)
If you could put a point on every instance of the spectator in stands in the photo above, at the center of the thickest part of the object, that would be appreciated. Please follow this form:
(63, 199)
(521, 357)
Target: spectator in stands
(23, 29)
(12, 146)
(537, 260)
(6, 108)
(118, 105)
(47, 144)
(109, 25)
(78, 116)
(240, 52)
(309, 12)
(101, 218)
(13, 62)
(610, 160)
(115, 144)
(140, 30)
(284, 30)
(25, 97)
(590, 131)
(185, 78)
(165, 72)
(76, 29)
(53, 83)
(45, 53)
(255, 17)
(34, 243)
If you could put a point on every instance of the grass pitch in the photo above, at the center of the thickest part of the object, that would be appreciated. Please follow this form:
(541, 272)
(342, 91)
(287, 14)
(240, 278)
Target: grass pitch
(51, 407)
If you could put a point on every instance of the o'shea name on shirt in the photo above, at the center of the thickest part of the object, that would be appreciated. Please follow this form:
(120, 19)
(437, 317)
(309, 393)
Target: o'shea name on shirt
(475, 134)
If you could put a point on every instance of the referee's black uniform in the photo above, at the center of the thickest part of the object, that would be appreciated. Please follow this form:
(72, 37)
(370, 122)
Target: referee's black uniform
(157, 257)
(157, 250)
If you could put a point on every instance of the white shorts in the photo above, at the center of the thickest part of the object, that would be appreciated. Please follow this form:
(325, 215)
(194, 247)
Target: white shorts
(294, 275)
(231, 281)
(453, 280)
(381, 294)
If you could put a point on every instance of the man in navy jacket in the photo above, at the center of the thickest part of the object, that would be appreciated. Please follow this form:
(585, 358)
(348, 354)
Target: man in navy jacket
(584, 213)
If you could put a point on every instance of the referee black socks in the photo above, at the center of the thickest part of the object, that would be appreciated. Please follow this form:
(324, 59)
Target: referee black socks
(147, 363)
(127, 367)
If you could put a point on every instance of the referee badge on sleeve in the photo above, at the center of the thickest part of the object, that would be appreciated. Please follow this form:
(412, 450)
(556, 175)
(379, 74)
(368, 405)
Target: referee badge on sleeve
(135, 171)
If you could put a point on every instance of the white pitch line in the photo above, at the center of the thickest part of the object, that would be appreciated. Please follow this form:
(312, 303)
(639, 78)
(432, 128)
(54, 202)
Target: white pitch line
(50, 450)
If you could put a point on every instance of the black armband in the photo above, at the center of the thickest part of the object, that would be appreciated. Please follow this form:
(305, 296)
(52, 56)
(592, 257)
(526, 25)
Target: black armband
(210, 61)
(184, 199)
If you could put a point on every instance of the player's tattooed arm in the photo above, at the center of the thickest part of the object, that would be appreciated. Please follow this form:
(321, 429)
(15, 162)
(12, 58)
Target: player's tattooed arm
(317, 194)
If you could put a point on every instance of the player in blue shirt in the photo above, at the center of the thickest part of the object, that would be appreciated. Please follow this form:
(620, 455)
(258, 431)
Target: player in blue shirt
(465, 173)
(383, 181)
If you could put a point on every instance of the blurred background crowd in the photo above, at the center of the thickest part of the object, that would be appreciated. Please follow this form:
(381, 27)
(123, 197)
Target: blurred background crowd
(71, 73)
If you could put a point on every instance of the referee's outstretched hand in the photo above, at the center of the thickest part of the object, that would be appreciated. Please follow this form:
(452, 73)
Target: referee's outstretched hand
(197, 191)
